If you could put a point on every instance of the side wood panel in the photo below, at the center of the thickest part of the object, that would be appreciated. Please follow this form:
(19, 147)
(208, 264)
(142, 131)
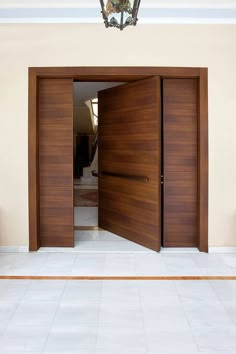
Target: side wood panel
(33, 187)
(180, 145)
(203, 160)
(56, 162)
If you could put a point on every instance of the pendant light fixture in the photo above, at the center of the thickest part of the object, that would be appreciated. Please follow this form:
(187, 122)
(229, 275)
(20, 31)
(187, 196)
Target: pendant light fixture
(120, 13)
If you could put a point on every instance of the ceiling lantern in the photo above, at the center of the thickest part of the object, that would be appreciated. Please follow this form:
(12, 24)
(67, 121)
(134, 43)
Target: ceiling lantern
(120, 13)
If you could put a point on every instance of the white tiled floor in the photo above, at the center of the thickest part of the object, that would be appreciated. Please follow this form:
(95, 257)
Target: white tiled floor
(86, 216)
(114, 317)
(104, 241)
(111, 317)
(98, 241)
(117, 263)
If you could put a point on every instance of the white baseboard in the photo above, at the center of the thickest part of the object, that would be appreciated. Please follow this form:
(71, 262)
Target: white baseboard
(222, 250)
(14, 249)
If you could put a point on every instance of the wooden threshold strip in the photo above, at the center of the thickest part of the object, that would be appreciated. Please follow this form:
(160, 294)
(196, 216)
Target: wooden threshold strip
(94, 277)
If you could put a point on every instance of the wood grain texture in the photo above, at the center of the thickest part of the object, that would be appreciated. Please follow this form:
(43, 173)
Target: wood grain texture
(56, 162)
(115, 73)
(129, 143)
(203, 161)
(33, 186)
(180, 144)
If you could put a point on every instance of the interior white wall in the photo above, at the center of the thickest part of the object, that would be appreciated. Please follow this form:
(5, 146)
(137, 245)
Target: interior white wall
(22, 46)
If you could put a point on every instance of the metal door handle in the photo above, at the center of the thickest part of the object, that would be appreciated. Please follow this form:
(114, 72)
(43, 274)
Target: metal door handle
(126, 176)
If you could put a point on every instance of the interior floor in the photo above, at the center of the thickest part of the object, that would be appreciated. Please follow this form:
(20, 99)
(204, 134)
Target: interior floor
(104, 241)
(86, 216)
(99, 240)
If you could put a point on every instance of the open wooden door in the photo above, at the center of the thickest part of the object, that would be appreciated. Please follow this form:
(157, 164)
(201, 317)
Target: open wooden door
(55, 111)
(129, 150)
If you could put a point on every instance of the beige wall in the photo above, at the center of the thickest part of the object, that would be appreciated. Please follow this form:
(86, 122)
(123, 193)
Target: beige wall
(211, 46)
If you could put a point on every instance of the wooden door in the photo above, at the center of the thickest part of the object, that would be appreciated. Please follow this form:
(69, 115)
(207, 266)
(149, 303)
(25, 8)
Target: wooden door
(129, 150)
(55, 109)
(180, 115)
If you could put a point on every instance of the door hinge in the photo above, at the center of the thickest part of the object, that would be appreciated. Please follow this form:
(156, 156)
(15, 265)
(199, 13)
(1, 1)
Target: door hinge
(162, 179)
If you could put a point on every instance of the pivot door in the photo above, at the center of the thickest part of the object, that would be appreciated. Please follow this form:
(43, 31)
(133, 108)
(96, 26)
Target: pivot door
(129, 149)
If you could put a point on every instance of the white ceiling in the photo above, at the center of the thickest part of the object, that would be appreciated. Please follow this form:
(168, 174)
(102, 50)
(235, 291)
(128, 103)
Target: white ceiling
(88, 11)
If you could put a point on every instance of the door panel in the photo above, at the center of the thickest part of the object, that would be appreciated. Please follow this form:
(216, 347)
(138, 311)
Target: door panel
(180, 110)
(56, 162)
(129, 145)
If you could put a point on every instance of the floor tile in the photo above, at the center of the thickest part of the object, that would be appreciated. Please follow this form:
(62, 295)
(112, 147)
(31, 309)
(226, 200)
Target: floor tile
(214, 351)
(117, 351)
(206, 314)
(54, 271)
(60, 260)
(211, 264)
(230, 307)
(99, 241)
(122, 339)
(216, 339)
(81, 351)
(76, 314)
(205, 260)
(196, 290)
(228, 259)
(225, 289)
(109, 246)
(82, 291)
(89, 264)
(158, 291)
(176, 341)
(122, 291)
(164, 316)
(18, 352)
(150, 263)
(69, 338)
(86, 216)
(95, 235)
(34, 313)
(119, 264)
(120, 314)
(101, 351)
(18, 264)
(180, 264)
(7, 310)
(24, 338)
(4, 283)
(45, 290)
(13, 290)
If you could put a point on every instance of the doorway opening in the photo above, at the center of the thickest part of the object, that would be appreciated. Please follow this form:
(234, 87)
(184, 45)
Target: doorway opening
(88, 236)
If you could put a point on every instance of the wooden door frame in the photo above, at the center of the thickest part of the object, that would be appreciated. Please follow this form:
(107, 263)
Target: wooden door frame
(119, 74)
